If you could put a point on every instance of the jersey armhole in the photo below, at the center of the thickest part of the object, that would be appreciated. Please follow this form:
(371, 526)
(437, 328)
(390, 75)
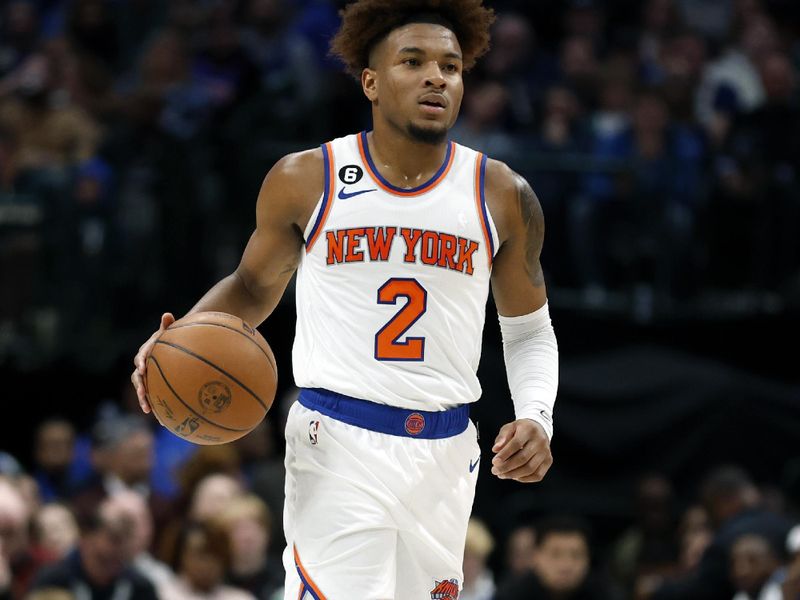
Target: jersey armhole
(490, 234)
(323, 208)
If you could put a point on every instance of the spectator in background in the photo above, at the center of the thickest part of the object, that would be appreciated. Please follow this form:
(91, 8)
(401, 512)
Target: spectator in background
(201, 558)
(204, 461)
(208, 498)
(650, 545)
(100, 567)
(695, 536)
(247, 522)
(660, 20)
(586, 18)
(561, 136)
(681, 66)
(520, 551)
(54, 453)
(481, 124)
(559, 129)
(19, 28)
(20, 558)
(122, 455)
(221, 66)
(755, 568)
(162, 71)
(132, 508)
(170, 451)
(760, 171)
(730, 84)
(732, 502)
(265, 474)
(478, 578)
(578, 63)
(561, 568)
(615, 98)
(513, 60)
(50, 135)
(55, 529)
(92, 30)
(288, 72)
(657, 199)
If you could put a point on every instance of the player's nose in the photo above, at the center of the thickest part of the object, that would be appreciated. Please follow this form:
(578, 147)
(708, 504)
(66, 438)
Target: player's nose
(434, 76)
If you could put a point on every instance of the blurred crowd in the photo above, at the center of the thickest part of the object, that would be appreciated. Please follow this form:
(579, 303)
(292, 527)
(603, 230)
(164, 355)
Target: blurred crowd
(129, 508)
(661, 137)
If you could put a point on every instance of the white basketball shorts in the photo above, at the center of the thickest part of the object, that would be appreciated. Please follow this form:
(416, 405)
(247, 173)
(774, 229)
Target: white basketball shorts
(377, 499)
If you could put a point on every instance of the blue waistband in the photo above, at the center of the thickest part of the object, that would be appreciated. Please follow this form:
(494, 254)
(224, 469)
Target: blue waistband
(391, 420)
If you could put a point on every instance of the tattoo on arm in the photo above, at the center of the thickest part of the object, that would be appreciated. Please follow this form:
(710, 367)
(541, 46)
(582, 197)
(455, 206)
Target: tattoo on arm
(533, 220)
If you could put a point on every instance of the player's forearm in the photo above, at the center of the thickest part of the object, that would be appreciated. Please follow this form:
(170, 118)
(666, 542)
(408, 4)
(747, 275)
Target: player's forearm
(531, 356)
(233, 295)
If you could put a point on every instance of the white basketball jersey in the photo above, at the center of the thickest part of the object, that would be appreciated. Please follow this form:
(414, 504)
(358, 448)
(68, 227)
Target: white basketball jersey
(392, 285)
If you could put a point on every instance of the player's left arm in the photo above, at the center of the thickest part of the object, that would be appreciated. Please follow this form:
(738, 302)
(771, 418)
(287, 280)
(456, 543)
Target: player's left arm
(522, 447)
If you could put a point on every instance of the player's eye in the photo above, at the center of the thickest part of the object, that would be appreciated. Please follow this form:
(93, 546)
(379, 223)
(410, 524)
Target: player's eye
(451, 68)
(413, 62)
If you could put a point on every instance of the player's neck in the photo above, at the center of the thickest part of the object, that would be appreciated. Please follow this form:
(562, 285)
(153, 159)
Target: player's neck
(401, 160)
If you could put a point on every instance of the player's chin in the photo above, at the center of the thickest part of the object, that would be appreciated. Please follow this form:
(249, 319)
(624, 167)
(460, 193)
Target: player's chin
(428, 132)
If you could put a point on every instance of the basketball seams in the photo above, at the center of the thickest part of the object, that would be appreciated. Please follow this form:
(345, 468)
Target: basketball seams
(245, 336)
(187, 406)
(212, 365)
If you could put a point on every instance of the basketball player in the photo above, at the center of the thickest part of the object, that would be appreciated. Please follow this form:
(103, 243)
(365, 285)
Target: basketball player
(396, 234)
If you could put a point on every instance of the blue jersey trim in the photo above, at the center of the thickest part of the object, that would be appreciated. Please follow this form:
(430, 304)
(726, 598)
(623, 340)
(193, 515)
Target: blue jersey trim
(400, 190)
(386, 419)
(483, 203)
(326, 195)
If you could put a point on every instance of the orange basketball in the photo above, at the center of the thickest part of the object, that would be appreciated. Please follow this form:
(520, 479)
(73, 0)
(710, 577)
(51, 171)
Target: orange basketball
(211, 378)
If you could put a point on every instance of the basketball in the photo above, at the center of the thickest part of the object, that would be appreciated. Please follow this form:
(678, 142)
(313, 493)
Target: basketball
(211, 378)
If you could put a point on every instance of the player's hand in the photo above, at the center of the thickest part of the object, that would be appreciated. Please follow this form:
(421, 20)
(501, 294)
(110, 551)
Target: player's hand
(140, 360)
(522, 452)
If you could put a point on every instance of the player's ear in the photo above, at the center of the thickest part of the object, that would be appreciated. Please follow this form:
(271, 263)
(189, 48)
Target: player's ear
(369, 83)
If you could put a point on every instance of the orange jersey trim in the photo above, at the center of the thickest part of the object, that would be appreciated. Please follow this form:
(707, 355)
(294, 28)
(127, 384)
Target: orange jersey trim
(480, 204)
(306, 579)
(327, 196)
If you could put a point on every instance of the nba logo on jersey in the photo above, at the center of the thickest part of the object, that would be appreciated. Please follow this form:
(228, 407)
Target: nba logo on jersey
(313, 428)
(445, 590)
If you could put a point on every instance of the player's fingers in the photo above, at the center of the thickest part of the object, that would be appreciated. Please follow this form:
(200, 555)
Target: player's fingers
(167, 319)
(525, 462)
(522, 457)
(140, 360)
(511, 447)
(539, 474)
(141, 392)
(520, 473)
(505, 434)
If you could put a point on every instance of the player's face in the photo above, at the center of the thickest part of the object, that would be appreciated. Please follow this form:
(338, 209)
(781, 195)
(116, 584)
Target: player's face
(418, 84)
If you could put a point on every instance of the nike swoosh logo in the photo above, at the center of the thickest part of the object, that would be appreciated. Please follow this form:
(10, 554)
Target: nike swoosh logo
(344, 195)
(545, 415)
(472, 465)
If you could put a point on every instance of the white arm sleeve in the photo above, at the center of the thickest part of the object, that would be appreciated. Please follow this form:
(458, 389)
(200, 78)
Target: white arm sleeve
(531, 354)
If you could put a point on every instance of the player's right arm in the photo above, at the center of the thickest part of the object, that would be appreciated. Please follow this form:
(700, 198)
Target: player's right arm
(286, 201)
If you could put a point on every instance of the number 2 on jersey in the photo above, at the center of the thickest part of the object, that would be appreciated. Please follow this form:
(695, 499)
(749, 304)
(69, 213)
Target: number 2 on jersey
(387, 344)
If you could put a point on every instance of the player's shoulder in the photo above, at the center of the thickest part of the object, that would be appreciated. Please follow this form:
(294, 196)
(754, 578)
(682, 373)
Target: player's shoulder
(299, 168)
(293, 185)
(509, 195)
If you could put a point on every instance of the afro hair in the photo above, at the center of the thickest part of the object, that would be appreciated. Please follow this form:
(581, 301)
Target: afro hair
(367, 22)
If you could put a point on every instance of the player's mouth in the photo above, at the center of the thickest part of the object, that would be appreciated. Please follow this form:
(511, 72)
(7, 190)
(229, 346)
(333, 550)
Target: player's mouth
(433, 104)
